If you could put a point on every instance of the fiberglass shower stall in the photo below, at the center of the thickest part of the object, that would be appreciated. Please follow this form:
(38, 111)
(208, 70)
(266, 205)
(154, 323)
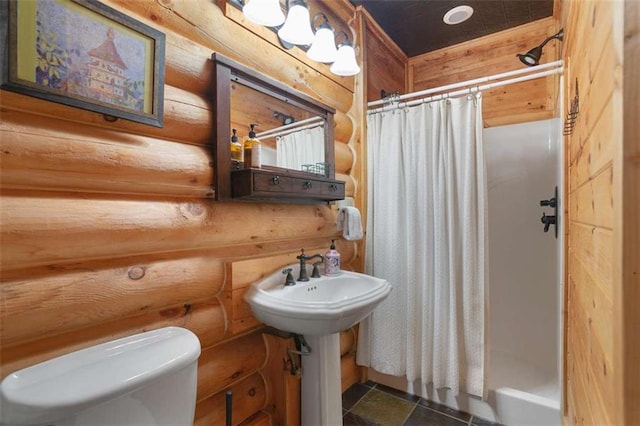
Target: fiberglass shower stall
(524, 166)
(523, 353)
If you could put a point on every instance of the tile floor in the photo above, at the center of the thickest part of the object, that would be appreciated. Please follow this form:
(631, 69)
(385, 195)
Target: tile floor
(368, 404)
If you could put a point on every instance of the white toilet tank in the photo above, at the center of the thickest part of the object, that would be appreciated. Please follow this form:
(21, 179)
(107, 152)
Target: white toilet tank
(145, 379)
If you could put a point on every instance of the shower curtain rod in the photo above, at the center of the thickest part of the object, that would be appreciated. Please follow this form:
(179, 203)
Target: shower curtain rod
(473, 82)
(293, 130)
(276, 130)
(470, 90)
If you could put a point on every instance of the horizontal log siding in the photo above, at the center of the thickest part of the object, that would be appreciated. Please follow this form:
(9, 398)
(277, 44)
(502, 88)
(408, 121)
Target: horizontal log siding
(108, 229)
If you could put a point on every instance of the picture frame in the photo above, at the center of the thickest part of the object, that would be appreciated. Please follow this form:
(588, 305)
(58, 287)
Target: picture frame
(84, 54)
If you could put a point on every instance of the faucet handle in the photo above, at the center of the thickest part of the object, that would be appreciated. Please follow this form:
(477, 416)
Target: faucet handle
(289, 280)
(315, 273)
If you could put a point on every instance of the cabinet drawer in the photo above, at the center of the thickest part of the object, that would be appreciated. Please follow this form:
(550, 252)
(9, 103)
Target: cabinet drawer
(267, 182)
(274, 186)
(307, 187)
(334, 190)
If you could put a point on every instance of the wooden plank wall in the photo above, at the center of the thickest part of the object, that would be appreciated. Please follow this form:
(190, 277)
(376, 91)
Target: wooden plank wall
(628, 238)
(602, 364)
(108, 229)
(493, 54)
(386, 62)
(385, 69)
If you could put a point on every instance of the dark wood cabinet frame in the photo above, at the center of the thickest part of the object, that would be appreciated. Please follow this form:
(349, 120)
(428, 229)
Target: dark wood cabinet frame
(247, 184)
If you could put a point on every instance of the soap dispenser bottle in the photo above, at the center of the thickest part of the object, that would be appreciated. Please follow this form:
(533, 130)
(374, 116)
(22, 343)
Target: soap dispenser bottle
(252, 150)
(236, 148)
(332, 260)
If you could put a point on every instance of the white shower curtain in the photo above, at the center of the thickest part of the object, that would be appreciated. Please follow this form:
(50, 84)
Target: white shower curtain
(301, 147)
(426, 234)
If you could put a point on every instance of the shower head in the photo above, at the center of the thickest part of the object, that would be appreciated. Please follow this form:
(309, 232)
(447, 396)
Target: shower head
(532, 57)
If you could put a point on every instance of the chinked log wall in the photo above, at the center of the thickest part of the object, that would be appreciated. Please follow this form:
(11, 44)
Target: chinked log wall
(108, 229)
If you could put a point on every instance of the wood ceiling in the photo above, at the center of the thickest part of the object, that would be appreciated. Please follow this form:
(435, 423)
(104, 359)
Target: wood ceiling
(416, 26)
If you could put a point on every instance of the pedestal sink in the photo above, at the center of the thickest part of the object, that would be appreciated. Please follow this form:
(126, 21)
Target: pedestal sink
(319, 310)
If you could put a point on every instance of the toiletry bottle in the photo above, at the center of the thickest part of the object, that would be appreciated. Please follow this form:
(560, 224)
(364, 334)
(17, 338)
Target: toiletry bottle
(252, 150)
(236, 148)
(332, 260)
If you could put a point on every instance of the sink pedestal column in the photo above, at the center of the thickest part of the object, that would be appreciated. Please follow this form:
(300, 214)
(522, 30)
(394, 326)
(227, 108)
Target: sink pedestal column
(322, 382)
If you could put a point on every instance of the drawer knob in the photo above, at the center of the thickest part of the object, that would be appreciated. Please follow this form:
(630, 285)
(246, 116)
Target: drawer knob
(276, 180)
(307, 185)
(333, 187)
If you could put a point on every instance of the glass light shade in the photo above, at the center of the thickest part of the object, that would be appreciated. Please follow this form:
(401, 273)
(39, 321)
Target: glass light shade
(264, 12)
(345, 63)
(297, 28)
(323, 49)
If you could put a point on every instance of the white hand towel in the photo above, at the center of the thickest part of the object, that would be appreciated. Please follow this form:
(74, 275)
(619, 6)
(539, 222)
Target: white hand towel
(349, 222)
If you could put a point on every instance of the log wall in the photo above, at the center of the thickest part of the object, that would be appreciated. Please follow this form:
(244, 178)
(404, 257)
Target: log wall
(602, 373)
(108, 228)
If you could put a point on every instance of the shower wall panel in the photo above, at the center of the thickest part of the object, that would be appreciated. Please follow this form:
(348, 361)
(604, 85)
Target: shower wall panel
(524, 306)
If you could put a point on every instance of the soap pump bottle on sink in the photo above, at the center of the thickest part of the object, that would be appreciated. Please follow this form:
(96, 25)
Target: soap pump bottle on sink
(332, 260)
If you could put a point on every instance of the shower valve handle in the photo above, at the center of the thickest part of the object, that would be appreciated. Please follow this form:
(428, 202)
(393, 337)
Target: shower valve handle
(550, 203)
(548, 221)
(554, 219)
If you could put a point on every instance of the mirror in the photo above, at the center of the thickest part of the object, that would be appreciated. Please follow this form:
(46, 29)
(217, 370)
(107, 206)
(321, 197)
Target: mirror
(292, 137)
(296, 131)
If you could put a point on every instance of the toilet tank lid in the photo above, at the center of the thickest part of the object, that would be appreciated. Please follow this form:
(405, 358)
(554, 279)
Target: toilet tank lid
(90, 376)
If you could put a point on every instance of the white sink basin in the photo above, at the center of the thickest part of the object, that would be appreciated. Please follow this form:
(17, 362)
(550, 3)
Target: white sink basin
(320, 306)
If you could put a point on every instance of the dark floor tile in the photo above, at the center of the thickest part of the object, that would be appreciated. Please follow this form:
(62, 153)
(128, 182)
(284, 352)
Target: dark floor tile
(425, 417)
(400, 394)
(351, 419)
(383, 408)
(479, 421)
(353, 395)
(444, 409)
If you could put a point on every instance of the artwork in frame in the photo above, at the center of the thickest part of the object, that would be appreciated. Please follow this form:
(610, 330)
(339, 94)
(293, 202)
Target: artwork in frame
(84, 54)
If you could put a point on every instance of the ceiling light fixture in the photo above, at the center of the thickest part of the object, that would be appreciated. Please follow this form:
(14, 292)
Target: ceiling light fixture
(458, 15)
(532, 57)
(297, 27)
(323, 49)
(345, 64)
(264, 12)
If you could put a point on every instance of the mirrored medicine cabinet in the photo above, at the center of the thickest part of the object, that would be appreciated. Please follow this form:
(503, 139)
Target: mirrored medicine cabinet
(296, 135)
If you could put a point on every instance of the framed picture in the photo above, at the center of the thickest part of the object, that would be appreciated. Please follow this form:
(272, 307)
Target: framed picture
(84, 54)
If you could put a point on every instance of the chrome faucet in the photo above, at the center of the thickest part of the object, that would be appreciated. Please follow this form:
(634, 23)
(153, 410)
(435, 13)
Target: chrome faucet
(303, 267)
